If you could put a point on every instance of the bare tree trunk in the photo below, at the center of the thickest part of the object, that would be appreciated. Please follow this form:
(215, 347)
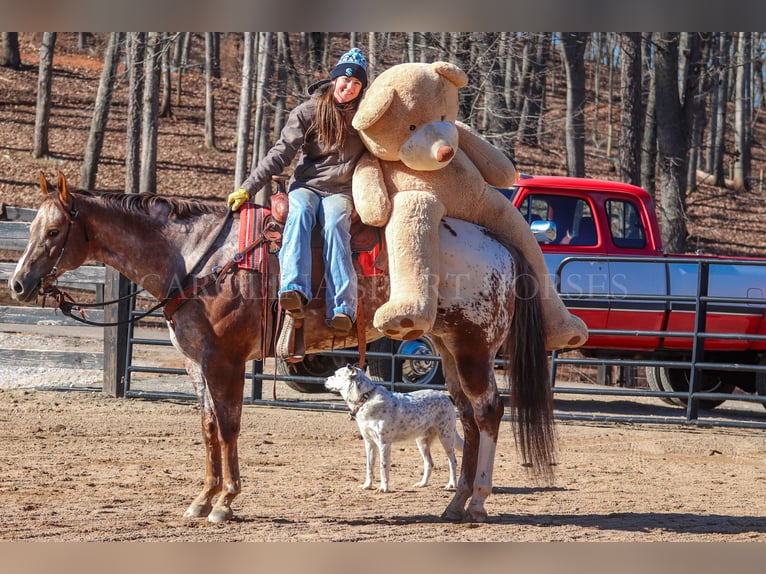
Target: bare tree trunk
(165, 109)
(148, 177)
(671, 139)
(280, 102)
(43, 108)
(597, 85)
(717, 132)
(100, 112)
(245, 103)
(372, 56)
(742, 113)
(210, 86)
(697, 84)
(264, 72)
(11, 57)
(183, 61)
(573, 44)
(649, 139)
(611, 45)
(136, 50)
(630, 119)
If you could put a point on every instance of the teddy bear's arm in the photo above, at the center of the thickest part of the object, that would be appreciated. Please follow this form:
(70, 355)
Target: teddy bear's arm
(370, 193)
(495, 167)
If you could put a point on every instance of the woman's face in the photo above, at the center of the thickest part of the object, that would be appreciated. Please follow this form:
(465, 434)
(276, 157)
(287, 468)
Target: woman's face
(346, 89)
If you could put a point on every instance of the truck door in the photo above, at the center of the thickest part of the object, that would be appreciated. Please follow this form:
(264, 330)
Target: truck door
(571, 231)
(627, 238)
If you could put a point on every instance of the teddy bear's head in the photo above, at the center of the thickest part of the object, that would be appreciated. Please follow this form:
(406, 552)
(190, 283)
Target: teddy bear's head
(408, 114)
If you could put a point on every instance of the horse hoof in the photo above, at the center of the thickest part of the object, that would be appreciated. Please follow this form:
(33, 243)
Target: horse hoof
(475, 516)
(219, 514)
(452, 515)
(198, 510)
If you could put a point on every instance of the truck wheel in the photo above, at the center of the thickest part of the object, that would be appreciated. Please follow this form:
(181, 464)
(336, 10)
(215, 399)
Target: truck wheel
(311, 366)
(653, 380)
(677, 380)
(410, 371)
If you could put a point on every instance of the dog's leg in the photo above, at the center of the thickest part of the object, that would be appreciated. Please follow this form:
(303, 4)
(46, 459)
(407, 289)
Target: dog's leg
(424, 446)
(448, 442)
(385, 464)
(369, 450)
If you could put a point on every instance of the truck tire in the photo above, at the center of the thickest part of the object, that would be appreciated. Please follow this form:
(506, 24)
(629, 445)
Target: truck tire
(653, 380)
(311, 366)
(410, 371)
(677, 380)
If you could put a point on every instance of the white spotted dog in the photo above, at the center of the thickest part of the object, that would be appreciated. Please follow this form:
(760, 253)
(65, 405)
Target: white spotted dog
(385, 417)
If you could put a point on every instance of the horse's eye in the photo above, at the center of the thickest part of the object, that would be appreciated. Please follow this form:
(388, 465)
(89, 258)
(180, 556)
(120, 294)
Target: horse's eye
(413, 128)
(53, 233)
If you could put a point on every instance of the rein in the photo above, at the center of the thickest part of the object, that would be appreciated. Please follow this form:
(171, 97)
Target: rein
(68, 305)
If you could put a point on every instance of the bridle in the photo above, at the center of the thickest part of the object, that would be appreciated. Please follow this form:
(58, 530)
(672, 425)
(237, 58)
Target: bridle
(68, 305)
(71, 214)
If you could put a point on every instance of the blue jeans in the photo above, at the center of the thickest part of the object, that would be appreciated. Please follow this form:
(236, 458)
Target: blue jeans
(334, 215)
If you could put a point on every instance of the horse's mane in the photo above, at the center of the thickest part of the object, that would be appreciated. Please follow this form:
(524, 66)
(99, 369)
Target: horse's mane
(147, 203)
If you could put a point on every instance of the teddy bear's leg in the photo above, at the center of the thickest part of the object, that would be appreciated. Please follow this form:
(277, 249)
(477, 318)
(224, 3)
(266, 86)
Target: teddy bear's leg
(562, 329)
(412, 240)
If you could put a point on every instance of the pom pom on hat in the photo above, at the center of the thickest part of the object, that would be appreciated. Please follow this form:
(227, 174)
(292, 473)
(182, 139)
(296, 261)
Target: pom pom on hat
(352, 64)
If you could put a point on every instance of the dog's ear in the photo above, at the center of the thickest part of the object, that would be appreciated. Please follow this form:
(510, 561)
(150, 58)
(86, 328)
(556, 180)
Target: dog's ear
(352, 371)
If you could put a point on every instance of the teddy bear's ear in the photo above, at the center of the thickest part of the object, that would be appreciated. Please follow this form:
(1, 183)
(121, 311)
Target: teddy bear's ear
(451, 72)
(372, 107)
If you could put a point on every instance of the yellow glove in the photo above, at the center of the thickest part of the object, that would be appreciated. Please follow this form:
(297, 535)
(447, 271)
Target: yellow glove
(237, 198)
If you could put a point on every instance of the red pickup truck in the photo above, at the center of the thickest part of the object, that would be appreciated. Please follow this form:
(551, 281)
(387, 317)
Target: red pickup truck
(623, 282)
(601, 242)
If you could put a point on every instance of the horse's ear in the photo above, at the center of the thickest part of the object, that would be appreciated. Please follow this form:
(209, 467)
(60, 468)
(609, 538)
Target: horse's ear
(43, 183)
(63, 191)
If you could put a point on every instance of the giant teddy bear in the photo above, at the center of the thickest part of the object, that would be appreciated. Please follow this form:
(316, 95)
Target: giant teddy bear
(423, 165)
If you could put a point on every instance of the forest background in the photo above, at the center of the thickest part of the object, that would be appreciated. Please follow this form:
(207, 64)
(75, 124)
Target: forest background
(190, 113)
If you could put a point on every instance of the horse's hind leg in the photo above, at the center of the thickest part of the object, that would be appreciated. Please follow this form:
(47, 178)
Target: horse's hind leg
(471, 381)
(203, 503)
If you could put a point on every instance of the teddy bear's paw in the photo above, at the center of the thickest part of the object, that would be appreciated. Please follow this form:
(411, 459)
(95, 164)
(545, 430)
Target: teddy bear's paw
(395, 325)
(569, 334)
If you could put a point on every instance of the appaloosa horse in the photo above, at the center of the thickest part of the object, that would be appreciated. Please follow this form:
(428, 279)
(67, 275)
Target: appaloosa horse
(164, 244)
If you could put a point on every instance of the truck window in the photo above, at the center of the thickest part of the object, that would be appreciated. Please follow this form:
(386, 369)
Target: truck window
(625, 224)
(572, 215)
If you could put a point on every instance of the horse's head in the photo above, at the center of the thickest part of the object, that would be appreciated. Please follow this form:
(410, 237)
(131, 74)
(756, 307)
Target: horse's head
(58, 242)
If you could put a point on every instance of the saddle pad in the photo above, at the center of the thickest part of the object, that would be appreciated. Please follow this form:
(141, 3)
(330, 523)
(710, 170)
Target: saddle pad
(251, 218)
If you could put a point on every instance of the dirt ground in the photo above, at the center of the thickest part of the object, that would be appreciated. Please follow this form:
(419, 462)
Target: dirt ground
(80, 466)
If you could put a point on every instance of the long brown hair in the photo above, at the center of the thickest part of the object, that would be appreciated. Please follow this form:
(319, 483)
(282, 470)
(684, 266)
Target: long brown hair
(331, 125)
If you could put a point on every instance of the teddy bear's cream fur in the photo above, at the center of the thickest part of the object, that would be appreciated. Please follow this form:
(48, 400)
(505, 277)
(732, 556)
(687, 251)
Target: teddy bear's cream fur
(423, 165)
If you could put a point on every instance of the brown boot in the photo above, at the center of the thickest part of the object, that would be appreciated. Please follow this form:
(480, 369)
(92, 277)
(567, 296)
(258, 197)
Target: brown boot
(292, 302)
(340, 324)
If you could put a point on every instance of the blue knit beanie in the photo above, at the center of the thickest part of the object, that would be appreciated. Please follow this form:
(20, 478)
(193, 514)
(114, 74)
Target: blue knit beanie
(352, 64)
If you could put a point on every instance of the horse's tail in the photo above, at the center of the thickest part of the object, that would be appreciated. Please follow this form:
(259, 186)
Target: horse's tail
(526, 363)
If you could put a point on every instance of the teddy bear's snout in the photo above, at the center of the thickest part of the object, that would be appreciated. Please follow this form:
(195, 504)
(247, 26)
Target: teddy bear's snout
(431, 147)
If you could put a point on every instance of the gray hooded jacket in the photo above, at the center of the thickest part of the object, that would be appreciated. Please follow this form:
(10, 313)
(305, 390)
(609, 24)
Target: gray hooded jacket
(323, 173)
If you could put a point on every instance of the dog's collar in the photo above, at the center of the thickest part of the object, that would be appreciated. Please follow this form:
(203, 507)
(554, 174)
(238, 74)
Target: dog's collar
(360, 404)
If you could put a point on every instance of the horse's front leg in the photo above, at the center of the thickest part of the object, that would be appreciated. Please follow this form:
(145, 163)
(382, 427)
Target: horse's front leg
(226, 384)
(203, 503)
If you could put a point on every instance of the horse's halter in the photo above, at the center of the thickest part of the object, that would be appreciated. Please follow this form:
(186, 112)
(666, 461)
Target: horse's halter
(70, 214)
